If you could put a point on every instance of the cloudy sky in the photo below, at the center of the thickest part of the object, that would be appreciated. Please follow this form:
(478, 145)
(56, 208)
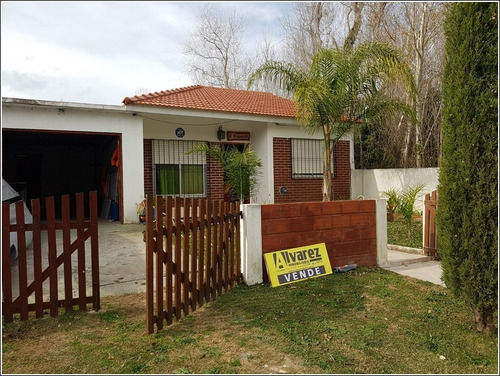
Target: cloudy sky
(101, 52)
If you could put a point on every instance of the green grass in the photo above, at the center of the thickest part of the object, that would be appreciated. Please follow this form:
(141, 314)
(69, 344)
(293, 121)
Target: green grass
(397, 234)
(368, 320)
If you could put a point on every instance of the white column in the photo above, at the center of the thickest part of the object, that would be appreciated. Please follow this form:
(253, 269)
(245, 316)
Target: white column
(251, 244)
(381, 218)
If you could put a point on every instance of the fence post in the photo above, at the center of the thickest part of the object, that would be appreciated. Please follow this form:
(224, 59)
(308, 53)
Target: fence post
(150, 245)
(381, 221)
(251, 244)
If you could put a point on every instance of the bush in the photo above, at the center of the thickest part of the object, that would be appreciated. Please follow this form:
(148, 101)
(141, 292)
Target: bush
(404, 203)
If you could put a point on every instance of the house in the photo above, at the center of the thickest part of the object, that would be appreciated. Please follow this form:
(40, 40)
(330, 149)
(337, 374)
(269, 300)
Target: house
(140, 147)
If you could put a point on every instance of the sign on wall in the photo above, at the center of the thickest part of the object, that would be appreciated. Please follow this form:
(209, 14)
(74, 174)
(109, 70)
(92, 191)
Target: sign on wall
(238, 136)
(296, 264)
(180, 132)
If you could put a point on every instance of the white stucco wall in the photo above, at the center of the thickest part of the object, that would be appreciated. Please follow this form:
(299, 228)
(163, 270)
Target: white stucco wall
(371, 183)
(91, 118)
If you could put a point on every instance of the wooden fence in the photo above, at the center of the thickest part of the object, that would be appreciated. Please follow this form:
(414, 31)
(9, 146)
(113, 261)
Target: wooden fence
(430, 229)
(23, 281)
(192, 255)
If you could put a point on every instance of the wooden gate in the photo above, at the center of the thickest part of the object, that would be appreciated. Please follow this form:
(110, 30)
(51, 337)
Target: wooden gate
(192, 255)
(27, 275)
(430, 229)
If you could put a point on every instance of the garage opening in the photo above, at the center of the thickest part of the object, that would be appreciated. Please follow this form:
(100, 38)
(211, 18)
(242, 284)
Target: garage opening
(41, 164)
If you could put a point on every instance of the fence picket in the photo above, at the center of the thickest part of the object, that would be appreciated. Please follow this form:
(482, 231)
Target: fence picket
(169, 277)
(94, 251)
(159, 262)
(37, 258)
(80, 231)
(177, 265)
(66, 229)
(149, 265)
(6, 265)
(208, 264)
(194, 253)
(201, 256)
(51, 237)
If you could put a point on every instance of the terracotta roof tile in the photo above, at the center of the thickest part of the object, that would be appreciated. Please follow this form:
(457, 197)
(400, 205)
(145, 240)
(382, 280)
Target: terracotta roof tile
(198, 97)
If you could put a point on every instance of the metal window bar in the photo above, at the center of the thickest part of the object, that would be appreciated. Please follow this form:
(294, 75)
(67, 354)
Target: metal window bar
(175, 152)
(307, 158)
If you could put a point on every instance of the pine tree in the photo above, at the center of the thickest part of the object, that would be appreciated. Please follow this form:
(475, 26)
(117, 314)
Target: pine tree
(468, 182)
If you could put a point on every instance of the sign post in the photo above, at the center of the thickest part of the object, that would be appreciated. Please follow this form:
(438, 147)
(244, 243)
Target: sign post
(296, 264)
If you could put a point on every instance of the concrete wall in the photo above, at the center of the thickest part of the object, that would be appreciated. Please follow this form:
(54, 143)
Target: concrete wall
(370, 183)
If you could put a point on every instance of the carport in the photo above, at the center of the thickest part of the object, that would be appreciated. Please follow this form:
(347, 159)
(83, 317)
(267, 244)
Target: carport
(40, 164)
(53, 148)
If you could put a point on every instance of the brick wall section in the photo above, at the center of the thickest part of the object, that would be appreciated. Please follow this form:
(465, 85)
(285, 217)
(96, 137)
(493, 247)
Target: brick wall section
(215, 180)
(348, 228)
(148, 166)
(300, 190)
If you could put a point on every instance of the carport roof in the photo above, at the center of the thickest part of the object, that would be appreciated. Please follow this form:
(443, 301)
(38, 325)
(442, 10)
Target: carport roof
(198, 97)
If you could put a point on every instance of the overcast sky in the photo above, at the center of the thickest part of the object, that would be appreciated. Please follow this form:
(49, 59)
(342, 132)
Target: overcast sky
(101, 52)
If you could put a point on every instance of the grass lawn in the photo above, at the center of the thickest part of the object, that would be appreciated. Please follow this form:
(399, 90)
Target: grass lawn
(368, 320)
(397, 234)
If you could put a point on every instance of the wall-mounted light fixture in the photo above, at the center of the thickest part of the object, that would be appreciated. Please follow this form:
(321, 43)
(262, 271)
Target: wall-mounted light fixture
(220, 133)
(283, 190)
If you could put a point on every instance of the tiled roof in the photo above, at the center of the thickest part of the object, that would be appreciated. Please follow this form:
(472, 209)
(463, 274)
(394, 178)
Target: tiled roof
(208, 98)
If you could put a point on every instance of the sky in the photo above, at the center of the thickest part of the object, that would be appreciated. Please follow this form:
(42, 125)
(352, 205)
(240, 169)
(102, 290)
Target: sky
(101, 52)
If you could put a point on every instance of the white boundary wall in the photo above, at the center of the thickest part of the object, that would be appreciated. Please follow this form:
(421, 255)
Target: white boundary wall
(371, 183)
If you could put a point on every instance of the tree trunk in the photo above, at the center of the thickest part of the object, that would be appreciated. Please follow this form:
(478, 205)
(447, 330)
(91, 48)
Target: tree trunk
(327, 165)
(356, 26)
(484, 320)
(419, 72)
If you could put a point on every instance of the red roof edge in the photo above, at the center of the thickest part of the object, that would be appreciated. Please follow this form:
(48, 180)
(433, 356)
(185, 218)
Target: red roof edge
(130, 100)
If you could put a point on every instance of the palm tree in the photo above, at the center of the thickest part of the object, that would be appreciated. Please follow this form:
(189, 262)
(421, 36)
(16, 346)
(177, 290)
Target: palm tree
(240, 167)
(342, 90)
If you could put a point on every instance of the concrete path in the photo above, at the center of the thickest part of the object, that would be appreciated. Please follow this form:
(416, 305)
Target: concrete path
(415, 266)
(122, 261)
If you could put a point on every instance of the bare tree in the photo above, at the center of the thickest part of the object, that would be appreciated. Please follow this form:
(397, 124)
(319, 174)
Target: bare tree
(416, 30)
(142, 90)
(214, 50)
(310, 27)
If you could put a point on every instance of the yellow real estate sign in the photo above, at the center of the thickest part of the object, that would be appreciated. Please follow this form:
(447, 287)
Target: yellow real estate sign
(296, 264)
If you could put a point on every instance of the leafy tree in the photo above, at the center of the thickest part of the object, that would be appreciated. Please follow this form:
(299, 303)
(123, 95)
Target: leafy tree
(467, 213)
(240, 167)
(340, 90)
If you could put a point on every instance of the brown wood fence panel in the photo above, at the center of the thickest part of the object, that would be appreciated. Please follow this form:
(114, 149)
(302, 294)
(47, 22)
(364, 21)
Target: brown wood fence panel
(430, 230)
(192, 255)
(23, 280)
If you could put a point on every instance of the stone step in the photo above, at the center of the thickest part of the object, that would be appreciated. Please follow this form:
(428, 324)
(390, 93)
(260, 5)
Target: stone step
(406, 261)
(398, 256)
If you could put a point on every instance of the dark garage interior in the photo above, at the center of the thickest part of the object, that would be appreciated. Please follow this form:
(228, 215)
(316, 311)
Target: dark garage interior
(40, 164)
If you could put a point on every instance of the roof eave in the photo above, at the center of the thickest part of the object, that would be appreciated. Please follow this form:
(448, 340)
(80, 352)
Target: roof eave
(151, 109)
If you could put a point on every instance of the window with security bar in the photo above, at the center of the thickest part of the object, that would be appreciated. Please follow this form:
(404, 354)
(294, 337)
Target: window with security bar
(178, 172)
(307, 158)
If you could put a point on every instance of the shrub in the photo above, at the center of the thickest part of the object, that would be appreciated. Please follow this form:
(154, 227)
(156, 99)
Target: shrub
(467, 214)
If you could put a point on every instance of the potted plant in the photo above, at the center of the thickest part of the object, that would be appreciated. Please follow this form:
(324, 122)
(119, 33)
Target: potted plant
(392, 196)
(141, 211)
